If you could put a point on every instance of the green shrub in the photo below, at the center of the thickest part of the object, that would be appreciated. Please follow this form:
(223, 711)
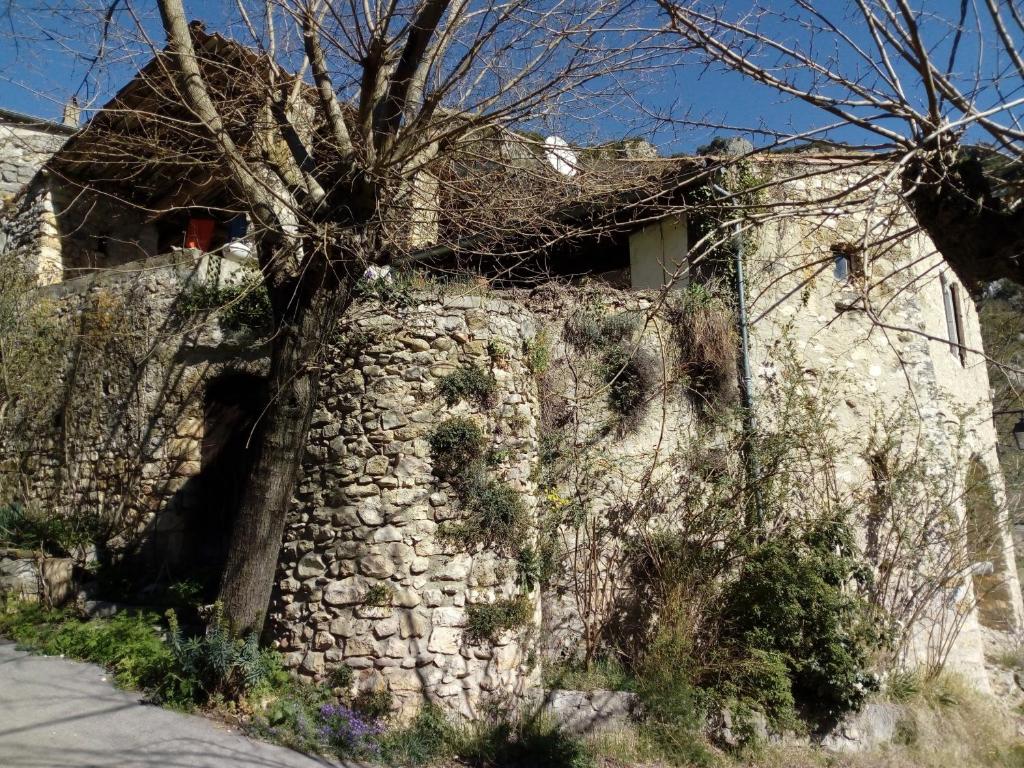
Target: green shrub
(792, 598)
(761, 680)
(217, 663)
(485, 621)
(584, 329)
(497, 351)
(632, 375)
(59, 535)
(529, 568)
(341, 677)
(675, 708)
(538, 354)
(428, 739)
(470, 382)
(241, 305)
(496, 515)
(456, 445)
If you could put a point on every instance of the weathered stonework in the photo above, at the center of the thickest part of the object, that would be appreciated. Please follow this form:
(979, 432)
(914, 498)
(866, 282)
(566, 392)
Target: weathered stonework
(25, 144)
(370, 509)
(367, 577)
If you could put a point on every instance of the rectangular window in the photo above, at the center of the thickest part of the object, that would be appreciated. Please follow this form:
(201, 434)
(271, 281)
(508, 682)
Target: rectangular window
(847, 263)
(954, 319)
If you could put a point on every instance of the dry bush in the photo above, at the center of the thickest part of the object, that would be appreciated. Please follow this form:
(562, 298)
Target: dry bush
(704, 328)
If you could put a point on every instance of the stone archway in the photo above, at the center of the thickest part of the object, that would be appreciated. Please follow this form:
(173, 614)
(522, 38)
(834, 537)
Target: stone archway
(231, 407)
(986, 546)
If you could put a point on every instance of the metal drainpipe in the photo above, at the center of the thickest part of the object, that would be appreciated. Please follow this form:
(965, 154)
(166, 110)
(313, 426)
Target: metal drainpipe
(749, 417)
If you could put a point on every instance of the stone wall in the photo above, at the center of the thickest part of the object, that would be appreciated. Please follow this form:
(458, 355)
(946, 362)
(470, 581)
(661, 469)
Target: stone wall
(26, 575)
(879, 343)
(24, 147)
(370, 509)
(118, 425)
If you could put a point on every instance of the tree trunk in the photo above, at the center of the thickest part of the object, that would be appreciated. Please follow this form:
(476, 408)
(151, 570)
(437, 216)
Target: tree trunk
(305, 315)
(959, 206)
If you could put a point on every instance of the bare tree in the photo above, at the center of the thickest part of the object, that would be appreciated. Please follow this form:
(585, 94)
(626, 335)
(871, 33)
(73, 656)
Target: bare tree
(936, 91)
(333, 133)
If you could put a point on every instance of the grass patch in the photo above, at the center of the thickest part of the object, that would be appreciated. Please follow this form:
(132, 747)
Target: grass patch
(604, 674)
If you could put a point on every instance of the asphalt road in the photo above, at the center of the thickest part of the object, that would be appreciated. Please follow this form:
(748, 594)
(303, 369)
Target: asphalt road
(56, 713)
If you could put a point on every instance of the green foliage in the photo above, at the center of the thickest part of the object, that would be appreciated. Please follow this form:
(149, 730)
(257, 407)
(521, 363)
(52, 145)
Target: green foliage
(187, 593)
(456, 444)
(341, 677)
(903, 685)
(538, 353)
(675, 707)
(428, 739)
(59, 535)
(497, 351)
(528, 740)
(632, 376)
(130, 645)
(791, 601)
(470, 382)
(485, 621)
(605, 673)
(217, 663)
(244, 305)
(379, 595)
(291, 716)
(495, 515)
(374, 705)
(529, 568)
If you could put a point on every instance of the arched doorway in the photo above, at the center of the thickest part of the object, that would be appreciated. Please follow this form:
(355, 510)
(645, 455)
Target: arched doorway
(986, 533)
(231, 409)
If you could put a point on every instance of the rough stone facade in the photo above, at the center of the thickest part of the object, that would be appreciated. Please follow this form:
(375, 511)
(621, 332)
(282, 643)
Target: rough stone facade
(25, 144)
(369, 509)
(124, 429)
(880, 341)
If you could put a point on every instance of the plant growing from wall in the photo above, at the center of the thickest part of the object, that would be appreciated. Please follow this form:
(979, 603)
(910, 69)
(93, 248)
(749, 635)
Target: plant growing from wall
(537, 352)
(631, 374)
(496, 516)
(456, 446)
(379, 596)
(486, 621)
(469, 382)
(704, 330)
(241, 305)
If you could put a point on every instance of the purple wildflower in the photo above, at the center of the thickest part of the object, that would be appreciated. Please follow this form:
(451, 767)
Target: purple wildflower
(349, 732)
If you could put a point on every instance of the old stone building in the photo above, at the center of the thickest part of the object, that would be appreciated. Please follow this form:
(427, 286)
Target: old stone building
(139, 398)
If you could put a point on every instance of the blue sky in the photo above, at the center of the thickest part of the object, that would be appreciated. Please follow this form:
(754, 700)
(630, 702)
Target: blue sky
(47, 61)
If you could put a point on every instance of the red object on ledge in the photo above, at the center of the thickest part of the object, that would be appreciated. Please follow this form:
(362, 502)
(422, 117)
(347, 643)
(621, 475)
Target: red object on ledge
(199, 234)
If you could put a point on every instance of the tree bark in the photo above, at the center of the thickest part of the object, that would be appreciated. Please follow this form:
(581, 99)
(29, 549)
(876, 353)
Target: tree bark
(957, 204)
(305, 313)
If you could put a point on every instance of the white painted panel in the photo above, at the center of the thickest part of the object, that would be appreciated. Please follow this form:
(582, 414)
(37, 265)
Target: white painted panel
(656, 252)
